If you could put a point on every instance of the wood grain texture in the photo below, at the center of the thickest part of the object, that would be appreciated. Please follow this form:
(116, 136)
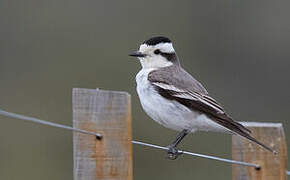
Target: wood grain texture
(107, 113)
(273, 167)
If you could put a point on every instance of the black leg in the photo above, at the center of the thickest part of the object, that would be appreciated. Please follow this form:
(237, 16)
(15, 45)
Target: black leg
(172, 150)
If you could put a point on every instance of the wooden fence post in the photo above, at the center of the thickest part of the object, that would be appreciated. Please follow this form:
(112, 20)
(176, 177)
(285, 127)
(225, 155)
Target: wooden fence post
(107, 113)
(273, 167)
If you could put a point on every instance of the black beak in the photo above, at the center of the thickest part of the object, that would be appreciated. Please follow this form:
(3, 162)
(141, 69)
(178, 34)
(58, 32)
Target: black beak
(137, 54)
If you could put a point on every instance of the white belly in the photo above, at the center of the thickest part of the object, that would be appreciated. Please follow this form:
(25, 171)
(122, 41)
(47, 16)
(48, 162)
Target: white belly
(168, 113)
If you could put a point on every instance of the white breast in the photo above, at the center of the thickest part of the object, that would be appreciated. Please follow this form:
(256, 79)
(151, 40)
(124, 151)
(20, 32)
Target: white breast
(170, 114)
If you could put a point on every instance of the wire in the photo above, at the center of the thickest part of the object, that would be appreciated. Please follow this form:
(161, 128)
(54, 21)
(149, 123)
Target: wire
(35, 120)
(200, 155)
(99, 136)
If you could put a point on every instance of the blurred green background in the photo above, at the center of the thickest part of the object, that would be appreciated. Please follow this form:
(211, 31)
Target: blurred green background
(239, 50)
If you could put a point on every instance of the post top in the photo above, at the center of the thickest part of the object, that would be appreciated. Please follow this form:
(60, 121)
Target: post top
(85, 90)
(261, 124)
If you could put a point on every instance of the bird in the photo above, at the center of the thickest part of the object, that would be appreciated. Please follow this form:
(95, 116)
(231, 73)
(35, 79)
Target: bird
(176, 100)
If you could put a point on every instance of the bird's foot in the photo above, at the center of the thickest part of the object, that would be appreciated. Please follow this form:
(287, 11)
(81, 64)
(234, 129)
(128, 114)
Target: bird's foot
(173, 152)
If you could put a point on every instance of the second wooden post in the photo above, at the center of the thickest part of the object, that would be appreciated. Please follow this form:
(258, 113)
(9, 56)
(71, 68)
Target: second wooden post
(273, 167)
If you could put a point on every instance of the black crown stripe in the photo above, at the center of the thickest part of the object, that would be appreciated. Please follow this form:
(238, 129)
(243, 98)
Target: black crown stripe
(156, 40)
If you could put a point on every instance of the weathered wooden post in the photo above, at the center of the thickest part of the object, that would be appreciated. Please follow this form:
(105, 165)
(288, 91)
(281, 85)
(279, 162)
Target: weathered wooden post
(273, 167)
(107, 113)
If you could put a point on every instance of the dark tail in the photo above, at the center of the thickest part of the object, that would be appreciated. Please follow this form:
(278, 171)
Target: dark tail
(241, 130)
(249, 137)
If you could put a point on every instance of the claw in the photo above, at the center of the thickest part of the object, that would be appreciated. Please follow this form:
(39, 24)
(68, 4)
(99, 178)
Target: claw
(173, 153)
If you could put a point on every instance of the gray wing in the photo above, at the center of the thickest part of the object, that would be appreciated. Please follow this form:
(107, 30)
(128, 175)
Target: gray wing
(195, 97)
(178, 77)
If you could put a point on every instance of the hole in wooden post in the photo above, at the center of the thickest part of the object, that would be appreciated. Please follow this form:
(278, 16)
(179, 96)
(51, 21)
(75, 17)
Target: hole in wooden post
(258, 168)
(99, 137)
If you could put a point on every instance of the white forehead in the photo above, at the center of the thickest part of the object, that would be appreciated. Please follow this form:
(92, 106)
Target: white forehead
(163, 47)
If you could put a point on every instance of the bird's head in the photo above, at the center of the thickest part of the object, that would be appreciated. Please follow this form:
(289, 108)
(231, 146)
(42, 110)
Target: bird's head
(156, 52)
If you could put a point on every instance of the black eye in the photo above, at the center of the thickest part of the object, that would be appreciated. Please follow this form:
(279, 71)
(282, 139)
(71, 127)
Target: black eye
(157, 51)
